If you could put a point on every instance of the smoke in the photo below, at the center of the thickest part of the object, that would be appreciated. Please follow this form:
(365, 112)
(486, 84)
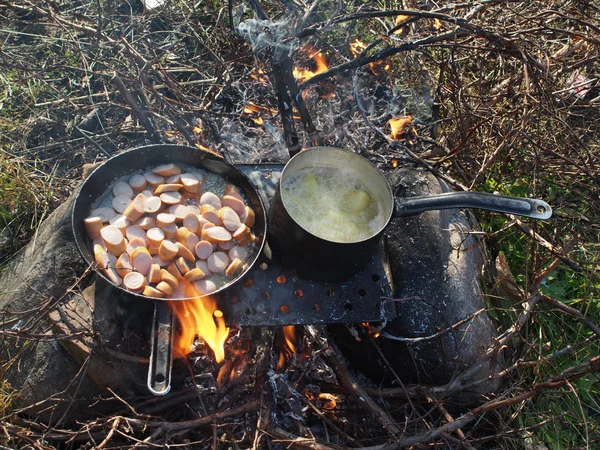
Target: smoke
(267, 34)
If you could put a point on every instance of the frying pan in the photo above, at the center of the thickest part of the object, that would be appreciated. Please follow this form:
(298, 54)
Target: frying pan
(94, 190)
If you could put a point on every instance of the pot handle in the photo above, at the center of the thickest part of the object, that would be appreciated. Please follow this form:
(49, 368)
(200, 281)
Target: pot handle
(161, 354)
(528, 207)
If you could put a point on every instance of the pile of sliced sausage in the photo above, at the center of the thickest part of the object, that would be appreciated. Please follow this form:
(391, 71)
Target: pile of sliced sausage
(164, 237)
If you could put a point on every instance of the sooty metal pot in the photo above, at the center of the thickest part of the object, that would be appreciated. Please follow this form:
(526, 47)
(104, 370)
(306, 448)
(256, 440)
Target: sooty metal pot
(317, 258)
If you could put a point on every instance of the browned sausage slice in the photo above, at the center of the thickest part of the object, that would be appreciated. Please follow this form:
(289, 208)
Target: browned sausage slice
(234, 203)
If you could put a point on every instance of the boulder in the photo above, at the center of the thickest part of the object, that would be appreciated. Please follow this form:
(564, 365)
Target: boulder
(436, 264)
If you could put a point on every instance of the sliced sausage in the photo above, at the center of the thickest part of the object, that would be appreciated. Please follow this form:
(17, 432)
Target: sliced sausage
(165, 219)
(167, 188)
(217, 262)
(231, 189)
(164, 288)
(152, 205)
(93, 225)
(167, 250)
(154, 275)
(123, 265)
(190, 182)
(249, 217)
(135, 231)
(234, 203)
(121, 222)
(239, 253)
(154, 179)
(174, 270)
(204, 287)
(185, 252)
(122, 188)
(194, 275)
(187, 238)
(170, 198)
(142, 260)
(149, 291)
(179, 211)
(133, 244)
(229, 218)
(134, 282)
(114, 240)
(135, 210)
(104, 213)
(145, 223)
(209, 198)
(170, 231)
(166, 170)
(120, 203)
(203, 249)
(191, 222)
(182, 265)
(200, 264)
(101, 257)
(234, 267)
(227, 245)
(168, 278)
(138, 183)
(216, 234)
(155, 237)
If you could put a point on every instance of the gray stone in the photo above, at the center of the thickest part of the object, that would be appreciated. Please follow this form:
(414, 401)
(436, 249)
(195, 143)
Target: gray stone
(43, 271)
(436, 265)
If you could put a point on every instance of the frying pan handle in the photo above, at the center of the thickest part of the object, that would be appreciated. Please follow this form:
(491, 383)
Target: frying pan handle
(161, 355)
(528, 207)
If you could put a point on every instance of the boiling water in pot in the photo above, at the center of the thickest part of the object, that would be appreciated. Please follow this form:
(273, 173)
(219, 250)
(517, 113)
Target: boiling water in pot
(332, 204)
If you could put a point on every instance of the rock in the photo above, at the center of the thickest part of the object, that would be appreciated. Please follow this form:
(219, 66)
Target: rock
(45, 374)
(436, 266)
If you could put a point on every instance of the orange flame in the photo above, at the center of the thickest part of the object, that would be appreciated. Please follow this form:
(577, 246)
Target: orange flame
(289, 346)
(200, 317)
(398, 126)
(302, 74)
(357, 47)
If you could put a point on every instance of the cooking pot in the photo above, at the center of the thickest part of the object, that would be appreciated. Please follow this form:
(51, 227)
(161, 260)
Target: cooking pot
(323, 259)
(94, 191)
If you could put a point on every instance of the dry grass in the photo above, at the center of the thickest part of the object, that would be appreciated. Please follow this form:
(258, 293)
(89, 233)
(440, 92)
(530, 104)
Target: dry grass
(514, 110)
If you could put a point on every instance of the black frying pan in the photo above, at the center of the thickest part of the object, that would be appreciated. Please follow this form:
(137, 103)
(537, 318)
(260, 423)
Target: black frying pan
(147, 157)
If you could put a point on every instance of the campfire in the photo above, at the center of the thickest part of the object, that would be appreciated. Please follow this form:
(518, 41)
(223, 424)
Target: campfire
(380, 340)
